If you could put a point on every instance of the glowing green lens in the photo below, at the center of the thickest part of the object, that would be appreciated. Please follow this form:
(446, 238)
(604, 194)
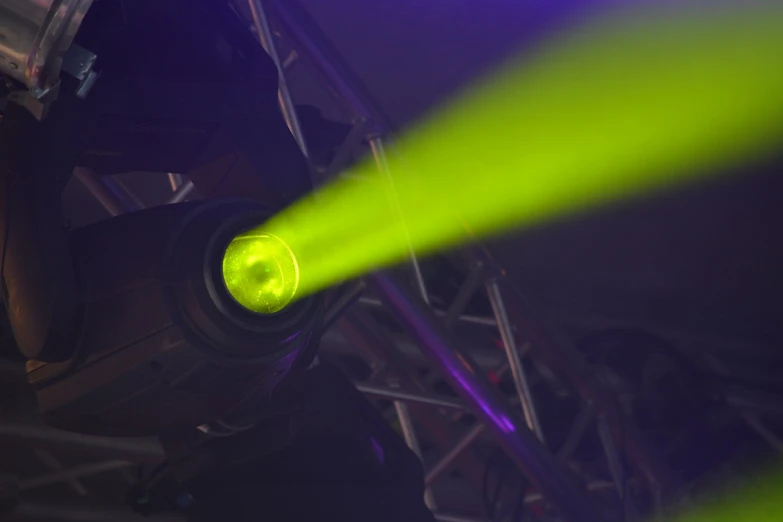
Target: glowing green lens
(261, 272)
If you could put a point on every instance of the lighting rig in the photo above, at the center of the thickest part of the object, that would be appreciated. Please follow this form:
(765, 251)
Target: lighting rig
(194, 322)
(173, 318)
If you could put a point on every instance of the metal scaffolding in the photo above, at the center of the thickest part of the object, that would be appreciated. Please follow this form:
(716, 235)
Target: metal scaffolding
(515, 426)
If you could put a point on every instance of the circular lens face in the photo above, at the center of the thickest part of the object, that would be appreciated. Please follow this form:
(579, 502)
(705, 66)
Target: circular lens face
(260, 272)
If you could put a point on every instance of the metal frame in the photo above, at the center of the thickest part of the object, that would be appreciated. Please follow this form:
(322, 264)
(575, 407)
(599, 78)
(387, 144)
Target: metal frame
(418, 319)
(520, 435)
(516, 428)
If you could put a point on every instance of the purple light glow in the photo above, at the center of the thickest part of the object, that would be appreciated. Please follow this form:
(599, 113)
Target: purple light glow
(378, 450)
(500, 420)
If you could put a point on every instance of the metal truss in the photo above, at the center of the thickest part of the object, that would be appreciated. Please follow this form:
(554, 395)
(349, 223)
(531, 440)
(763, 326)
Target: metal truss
(521, 436)
(513, 424)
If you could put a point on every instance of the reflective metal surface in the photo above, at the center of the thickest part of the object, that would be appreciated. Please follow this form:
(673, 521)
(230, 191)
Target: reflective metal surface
(466, 378)
(34, 35)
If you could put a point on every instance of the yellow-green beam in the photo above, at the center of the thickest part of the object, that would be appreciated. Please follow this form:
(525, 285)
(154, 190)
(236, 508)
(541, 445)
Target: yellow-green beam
(622, 107)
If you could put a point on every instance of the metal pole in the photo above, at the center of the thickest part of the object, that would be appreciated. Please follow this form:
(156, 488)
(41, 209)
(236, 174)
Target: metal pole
(541, 468)
(182, 192)
(612, 455)
(379, 153)
(55, 465)
(467, 289)
(35, 513)
(383, 392)
(409, 434)
(327, 62)
(128, 448)
(128, 193)
(558, 353)
(454, 453)
(517, 370)
(448, 517)
(108, 199)
(72, 473)
(175, 180)
(470, 319)
(535, 496)
(350, 294)
(284, 95)
(764, 432)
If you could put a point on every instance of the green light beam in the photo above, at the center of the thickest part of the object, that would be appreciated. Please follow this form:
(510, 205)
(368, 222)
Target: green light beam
(621, 108)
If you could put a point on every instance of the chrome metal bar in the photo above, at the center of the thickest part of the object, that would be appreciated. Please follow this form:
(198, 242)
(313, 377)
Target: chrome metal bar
(128, 448)
(182, 193)
(517, 369)
(559, 354)
(27, 511)
(284, 95)
(453, 454)
(529, 454)
(54, 464)
(578, 428)
(596, 486)
(348, 297)
(175, 180)
(466, 291)
(760, 402)
(409, 434)
(342, 157)
(327, 63)
(472, 319)
(129, 193)
(449, 517)
(765, 433)
(72, 473)
(612, 455)
(108, 199)
(379, 153)
(393, 394)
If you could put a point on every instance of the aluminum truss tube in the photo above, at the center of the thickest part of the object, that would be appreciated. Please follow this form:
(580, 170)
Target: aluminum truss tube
(284, 95)
(520, 443)
(327, 62)
(132, 449)
(108, 198)
(469, 319)
(181, 193)
(382, 392)
(175, 180)
(448, 517)
(517, 369)
(67, 475)
(30, 512)
(453, 454)
(409, 434)
(560, 355)
(47, 458)
(379, 153)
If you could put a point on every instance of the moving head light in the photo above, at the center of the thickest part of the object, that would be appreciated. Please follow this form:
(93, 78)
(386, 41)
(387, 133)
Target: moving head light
(162, 343)
(162, 319)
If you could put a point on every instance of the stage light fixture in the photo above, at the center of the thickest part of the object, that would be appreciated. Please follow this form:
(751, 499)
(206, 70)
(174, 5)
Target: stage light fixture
(180, 321)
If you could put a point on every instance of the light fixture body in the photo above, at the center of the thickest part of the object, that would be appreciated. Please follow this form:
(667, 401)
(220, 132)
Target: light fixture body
(162, 345)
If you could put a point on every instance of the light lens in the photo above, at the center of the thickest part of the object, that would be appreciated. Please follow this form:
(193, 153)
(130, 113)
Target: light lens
(260, 272)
